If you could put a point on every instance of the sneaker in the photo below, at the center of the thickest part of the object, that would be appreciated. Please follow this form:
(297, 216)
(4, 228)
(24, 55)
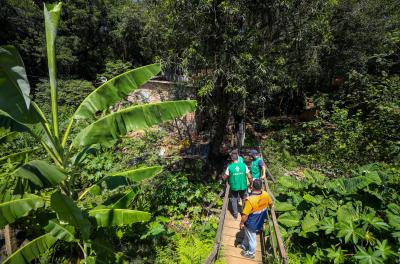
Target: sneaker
(235, 216)
(242, 247)
(246, 254)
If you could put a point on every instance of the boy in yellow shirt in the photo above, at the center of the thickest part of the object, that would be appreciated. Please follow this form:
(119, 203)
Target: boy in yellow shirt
(253, 215)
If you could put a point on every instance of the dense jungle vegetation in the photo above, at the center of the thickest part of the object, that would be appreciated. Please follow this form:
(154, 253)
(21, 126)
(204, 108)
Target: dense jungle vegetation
(317, 83)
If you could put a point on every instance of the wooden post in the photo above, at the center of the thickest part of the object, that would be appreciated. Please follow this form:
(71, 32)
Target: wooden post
(10, 240)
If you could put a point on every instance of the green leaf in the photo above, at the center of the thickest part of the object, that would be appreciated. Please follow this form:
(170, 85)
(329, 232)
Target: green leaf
(310, 259)
(384, 249)
(290, 219)
(327, 224)
(114, 90)
(68, 212)
(349, 231)
(347, 186)
(368, 257)
(32, 250)
(14, 86)
(394, 220)
(7, 122)
(309, 223)
(394, 208)
(123, 178)
(313, 199)
(347, 213)
(18, 156)
(52, 14)
(15, 208)
(314, 176)
(40, 173)
(125, 200)
(104, 250)
(336, 255)
(374, 221)
(291, 183)
(60, 231)
(137, 175)
(283, 206)
(118, 217)
(132, 118)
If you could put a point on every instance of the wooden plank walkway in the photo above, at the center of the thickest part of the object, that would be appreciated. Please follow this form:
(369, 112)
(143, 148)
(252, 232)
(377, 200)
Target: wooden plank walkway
(231, 237)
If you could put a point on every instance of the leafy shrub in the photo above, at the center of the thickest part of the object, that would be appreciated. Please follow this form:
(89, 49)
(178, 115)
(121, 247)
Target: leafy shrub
(354, 219)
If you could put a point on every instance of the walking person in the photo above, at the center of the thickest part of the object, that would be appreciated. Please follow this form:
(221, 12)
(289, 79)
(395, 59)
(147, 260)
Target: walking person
(257, 168)
(237, 174)
(240, 158)
(253, 215)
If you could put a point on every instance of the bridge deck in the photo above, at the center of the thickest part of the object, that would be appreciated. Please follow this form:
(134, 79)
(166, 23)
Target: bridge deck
(231, 237)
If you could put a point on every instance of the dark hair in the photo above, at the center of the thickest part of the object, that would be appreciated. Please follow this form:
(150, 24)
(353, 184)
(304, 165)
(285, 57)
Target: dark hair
(257, 184)
(234, 156)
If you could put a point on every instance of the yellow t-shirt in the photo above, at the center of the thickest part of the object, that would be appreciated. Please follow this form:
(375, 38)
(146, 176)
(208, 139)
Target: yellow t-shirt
(257, 202)
(256, 209)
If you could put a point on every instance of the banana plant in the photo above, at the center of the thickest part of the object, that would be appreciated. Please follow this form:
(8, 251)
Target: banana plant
(19, 113)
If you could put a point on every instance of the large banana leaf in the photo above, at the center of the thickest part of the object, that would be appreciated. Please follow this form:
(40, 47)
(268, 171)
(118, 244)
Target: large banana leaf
(132, 118)
(18, 156)
(52, 14)
(121, 179)
(137, 175)
(11, 210)
(40, 173)
(111, 92)
(124, 201)
(6, 121)
(63, 232)
(118, 217)
(114, 90)
(31, 250)
(68, 212)
(14, 86)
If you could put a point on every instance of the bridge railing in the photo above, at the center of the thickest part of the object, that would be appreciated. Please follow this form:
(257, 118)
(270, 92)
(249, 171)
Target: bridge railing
(274, 231)
(268, 242)
(217, 245)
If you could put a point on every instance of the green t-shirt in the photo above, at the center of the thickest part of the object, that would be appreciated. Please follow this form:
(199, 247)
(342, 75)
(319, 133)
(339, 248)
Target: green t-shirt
(255, 169)
(241, 159)
(237, 176)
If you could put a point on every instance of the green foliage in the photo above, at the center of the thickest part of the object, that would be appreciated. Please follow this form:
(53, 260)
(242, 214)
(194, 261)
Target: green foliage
(59, 180)
(113, 68)
(15, 207)
(341, 212)
(31, 250)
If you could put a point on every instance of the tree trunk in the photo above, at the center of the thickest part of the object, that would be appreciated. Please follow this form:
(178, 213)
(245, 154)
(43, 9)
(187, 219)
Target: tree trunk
(10, 239)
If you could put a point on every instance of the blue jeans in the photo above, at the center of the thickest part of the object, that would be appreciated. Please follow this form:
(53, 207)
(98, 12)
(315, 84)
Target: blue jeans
(250, 240)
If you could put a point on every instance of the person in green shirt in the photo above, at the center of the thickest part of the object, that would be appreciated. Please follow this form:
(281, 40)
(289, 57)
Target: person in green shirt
(257, 168)
(240, 158)
(237, 174)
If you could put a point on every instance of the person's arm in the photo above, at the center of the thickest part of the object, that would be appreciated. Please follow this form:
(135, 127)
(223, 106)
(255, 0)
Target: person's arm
(245, 213)
(243, 220)
(226, 175)
(263, 169)
(249, 176)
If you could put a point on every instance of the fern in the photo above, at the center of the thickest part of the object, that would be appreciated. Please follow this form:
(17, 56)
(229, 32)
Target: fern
(192, 250)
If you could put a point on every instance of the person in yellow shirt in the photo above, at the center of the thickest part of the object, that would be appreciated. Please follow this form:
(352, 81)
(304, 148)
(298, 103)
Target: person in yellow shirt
(253, 215)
